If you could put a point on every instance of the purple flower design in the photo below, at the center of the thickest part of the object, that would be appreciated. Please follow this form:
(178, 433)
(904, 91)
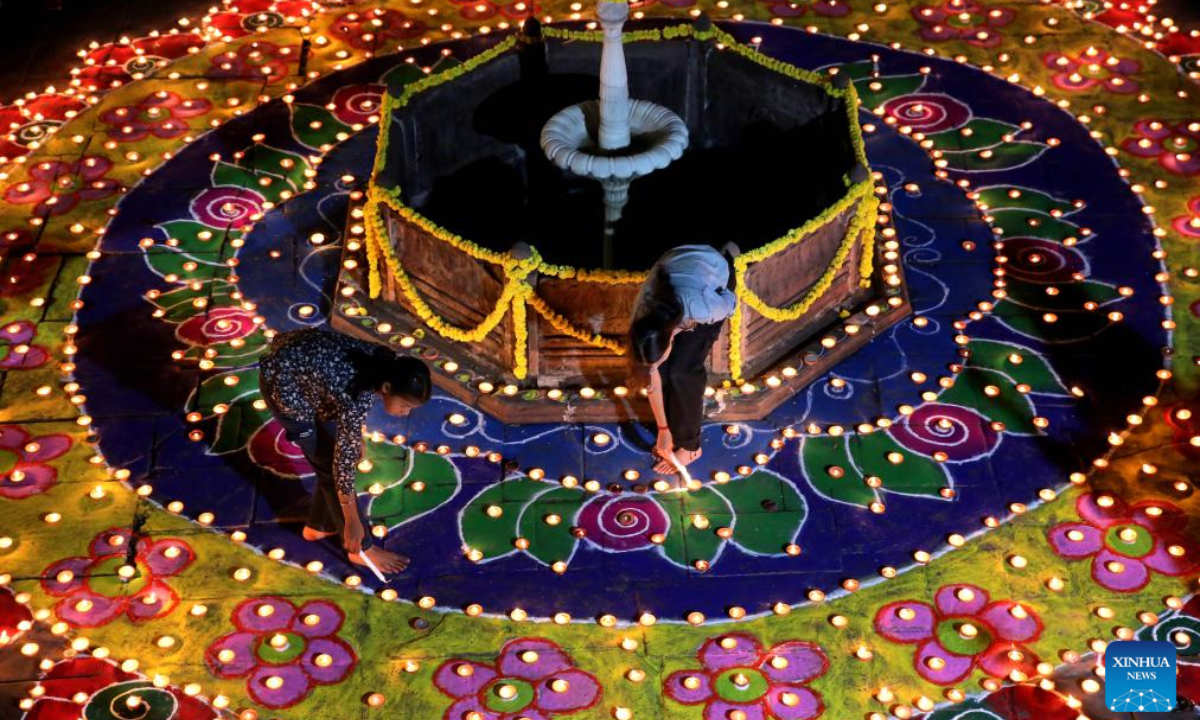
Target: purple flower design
(1091, 68)
(1125, 543)
(55, 187)
(928, 113)
(968, 20)
(1042, 261)
(1173, 143)
(622, 522)
(963, 630)
(532, 678)
(738, 675)
(283, 652)
(227, 207)
(23, 461)
(962, 434)
(103, 585)
(17, 352)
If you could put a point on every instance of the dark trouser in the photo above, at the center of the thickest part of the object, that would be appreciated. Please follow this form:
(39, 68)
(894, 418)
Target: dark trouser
(316, 441)
(683, 382)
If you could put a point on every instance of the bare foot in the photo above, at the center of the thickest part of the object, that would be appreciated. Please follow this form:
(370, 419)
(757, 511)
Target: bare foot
(687, 457)
(387, 562)
(312, 535)
(664, 466)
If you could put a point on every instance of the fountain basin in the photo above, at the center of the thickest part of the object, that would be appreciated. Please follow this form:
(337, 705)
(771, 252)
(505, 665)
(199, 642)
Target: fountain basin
(485, 250)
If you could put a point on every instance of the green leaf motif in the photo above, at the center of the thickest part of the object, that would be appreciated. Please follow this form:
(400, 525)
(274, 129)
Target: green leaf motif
(401, 75)
(551, 542)
(413, 484)
(236, 426)
(316, 126)
(875, 91)
(818, 455)
(1069, 327)
(225, 389)
(978, 134)
(686, 542)
(265, 170)
(494, 536)
(1066, 297)
(1001, 197)
(180, 303)
(1006, 156)
(1028, 223)
(227, 355)
(769, 512)
(914, 475)
(994, 396)
(1032, 369)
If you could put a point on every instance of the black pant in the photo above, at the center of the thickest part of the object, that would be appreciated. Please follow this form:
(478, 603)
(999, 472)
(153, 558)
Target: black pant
(316, 440)
(683, 382)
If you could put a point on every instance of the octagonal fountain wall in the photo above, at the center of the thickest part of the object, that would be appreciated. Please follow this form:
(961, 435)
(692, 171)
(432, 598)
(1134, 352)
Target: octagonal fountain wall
(500, 267)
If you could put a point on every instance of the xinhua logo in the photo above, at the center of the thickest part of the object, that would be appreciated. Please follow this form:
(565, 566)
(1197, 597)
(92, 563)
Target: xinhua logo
(1139, 676)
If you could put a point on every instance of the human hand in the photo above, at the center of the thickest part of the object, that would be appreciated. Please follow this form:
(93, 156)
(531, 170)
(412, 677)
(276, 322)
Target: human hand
(352, 535)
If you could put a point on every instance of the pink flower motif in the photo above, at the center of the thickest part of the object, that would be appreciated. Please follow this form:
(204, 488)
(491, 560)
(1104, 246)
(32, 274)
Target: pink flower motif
(1125, 543)
(15, 617)
(1189, 225)
(356, 104)
(532, 678)
(1045, 262)
(623, 522)
(737, 674)
(161, 114)
(104, 684)
(22, 270)
(521, 9)
(928, 112)
(797, 8)
(23, 461)
(371, 29)
(961, 631)
(112, 64)
(1184, 423)
(960, 433)
(98, 588)
(242, 17)
(1173, 143)
(283, 652)
(218, 325)
(17, 351)
(974, 22)
(56, 187)
(258, 60)
(269, 448)
(1092, 68)
(28, 123)
(227, 207)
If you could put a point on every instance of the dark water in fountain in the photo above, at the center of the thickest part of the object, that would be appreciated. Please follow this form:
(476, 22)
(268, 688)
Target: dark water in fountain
(765, 155)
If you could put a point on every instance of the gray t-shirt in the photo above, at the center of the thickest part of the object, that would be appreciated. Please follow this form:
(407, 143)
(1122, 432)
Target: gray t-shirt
(700, 277)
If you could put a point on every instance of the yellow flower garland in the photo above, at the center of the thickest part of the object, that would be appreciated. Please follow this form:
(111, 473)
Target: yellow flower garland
(517, 292)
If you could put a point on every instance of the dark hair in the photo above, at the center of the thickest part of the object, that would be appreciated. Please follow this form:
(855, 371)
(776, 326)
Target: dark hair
(650, 332)
(407, 376)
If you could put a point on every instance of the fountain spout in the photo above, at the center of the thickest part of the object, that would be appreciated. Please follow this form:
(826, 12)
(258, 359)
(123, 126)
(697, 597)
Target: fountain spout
(614, 79)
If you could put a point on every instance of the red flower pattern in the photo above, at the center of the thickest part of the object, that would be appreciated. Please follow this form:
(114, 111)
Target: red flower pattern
(162, 114)
(105, 584)
(112, 64)
(258, 60)
(372, 29)
(242, 17)
(55, 187)
(28, 123)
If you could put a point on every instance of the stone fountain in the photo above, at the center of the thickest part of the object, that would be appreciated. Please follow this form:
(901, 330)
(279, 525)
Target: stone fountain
(615, 139)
